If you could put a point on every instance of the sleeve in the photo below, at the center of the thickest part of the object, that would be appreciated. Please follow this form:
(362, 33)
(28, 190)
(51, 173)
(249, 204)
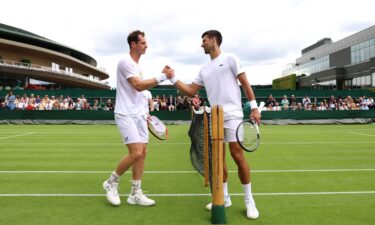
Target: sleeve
(128, 69)
(235, 65)
(198, 79)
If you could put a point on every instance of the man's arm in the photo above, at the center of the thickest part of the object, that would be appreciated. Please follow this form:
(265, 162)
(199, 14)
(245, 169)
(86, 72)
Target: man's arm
(189, 90)
(250, 96)
(141, 85)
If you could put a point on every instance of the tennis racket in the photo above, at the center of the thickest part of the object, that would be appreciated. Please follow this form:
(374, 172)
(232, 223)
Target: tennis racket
(157, 128)
(247, 133)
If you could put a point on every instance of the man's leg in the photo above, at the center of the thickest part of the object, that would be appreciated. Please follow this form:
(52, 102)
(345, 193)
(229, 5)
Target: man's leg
(111, 185)
(244, 175)
(136, 195)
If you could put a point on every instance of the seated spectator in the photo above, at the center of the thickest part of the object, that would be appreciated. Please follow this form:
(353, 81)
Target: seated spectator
(196, 102)
(179, 103)
(332, 103)
(306, 100)
(276, 107)
(292, 99)
(321, 107)
(64, 105)
(109, 105)
(30, 105)
(343, 106)
(38, 100)
(284, 103)
(299, 107)
(55, 105)
(10, 99)
(86, 105)
(79, 104)
(17, 102)
(293, 106)
(163, 104)
(308, 107)
(270, 101)
(157, 103)
(363, 106)
(96, 105)
(71, 104)
(186, 103)
(171, 102)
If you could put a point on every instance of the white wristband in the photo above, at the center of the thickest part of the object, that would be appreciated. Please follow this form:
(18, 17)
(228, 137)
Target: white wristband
(160, 78)
(173, 80)
(253, 104)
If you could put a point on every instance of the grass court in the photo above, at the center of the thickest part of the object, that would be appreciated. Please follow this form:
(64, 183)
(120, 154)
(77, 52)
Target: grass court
(301, 174)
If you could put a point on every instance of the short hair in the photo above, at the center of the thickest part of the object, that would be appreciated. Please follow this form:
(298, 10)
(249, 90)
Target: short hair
(214, 33)
(133, 36)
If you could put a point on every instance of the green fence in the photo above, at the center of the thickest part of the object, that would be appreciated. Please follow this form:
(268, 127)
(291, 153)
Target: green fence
(179, 115)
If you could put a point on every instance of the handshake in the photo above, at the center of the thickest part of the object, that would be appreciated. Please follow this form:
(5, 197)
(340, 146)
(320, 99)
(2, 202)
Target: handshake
(167, 73)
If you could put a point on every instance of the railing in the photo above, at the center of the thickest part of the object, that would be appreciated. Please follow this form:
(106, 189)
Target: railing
(29, 66)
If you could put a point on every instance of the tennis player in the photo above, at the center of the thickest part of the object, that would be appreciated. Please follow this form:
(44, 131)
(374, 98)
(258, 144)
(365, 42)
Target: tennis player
(130, 117)
(221, 73)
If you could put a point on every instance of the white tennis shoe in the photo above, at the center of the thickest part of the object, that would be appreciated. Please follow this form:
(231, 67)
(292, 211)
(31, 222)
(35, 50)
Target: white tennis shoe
(227, 203)
(138, 198)
(112, 192)
(251, 211)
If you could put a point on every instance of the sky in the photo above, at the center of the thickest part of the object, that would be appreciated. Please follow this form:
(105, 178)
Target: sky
(265, 34)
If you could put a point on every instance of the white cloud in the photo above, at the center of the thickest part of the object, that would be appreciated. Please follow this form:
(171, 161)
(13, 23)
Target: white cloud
(266, 35)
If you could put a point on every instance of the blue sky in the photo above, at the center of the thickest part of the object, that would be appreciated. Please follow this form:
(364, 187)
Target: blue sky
(266, 35)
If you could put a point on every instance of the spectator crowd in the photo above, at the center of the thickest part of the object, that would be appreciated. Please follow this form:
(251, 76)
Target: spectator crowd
(185, 103)
(319, 104)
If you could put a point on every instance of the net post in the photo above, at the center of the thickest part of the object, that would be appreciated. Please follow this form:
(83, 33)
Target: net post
(218, 209)
(206, 143)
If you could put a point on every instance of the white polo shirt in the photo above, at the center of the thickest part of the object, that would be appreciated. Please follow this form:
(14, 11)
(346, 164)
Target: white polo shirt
(128, 100)
(219, 77)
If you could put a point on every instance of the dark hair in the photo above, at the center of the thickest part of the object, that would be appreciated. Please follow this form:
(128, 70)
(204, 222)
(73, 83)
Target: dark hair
(133, 36)
(214, 33)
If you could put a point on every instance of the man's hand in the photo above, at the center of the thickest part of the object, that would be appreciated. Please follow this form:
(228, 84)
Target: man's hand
(168, 71)
(255, 115)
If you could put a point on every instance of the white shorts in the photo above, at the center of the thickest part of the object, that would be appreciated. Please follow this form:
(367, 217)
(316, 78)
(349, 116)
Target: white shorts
(132, 129)
(230, 127)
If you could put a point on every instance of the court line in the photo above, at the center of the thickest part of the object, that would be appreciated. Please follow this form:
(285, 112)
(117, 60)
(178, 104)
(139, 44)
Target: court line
(18, 135)
(177, 171)
(361, 134)
(197, 194)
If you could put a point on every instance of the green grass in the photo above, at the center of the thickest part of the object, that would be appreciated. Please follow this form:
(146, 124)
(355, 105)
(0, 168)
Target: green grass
(316, 174)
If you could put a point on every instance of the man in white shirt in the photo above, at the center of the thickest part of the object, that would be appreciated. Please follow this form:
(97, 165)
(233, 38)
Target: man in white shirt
(223, 72)
(130, 117)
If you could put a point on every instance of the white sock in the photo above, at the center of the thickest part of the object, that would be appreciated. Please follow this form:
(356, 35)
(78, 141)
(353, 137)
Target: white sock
(247, 190)
(136, 185)
(225, 189)
(114, 178)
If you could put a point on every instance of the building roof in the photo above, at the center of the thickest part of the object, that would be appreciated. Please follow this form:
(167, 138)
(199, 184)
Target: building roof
(23, 36)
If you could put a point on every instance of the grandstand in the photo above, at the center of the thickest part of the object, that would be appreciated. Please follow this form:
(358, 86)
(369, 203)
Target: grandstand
(29, 61)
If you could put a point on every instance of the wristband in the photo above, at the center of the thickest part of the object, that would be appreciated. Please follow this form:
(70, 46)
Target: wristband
(160, 78)
(173, 80)
(253, 104)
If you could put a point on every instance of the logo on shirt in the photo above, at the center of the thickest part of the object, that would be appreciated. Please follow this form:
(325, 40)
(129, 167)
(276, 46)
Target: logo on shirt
(221, 65)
